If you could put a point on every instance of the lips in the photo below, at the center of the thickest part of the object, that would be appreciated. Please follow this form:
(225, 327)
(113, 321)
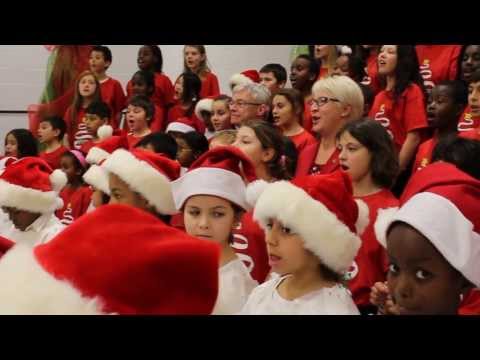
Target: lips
(273, 260)
(344, 167)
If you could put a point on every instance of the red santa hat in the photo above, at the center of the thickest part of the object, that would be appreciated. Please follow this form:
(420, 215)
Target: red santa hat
(30, 184)
(97, 177)
(128, 262)
(148, 174)
(245, 77)
(103, 149)
(319, 208)
(181, 125)
(204, 105)
(219, 172)
(442, 203)
(5, 245)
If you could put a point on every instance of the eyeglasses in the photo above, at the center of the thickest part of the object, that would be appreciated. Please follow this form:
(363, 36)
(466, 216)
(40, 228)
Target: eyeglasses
(241, 104)
(322, 100)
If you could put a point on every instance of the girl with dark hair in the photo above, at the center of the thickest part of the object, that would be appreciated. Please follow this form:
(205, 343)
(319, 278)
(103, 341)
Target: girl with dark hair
(20, 143)
(469, 72)
(195, 60)
(369, 54)
(351, 66)
(368, 155)
(150, 58)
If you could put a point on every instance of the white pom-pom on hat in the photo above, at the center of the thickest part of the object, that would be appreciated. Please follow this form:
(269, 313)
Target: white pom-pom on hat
(58, 180)
(384, 217)
(254, 190)
(104, 131)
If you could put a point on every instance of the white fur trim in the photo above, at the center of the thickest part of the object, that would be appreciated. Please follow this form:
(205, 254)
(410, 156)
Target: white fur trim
(179, 127)
(154, 186)
(104, 131)
(239, 79)
(58, 179)
(384, 217)
(323, 234)
(344, 49)
(210, 181)
(254, 190)
(97, 177)
(203, 105)
(28, 199)
(363, 218)
(27, 289)
(96, 154)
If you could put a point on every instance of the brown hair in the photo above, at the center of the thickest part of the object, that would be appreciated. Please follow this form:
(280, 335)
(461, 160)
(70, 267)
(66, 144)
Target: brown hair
(78, 99)
(203, 68)
(295, 98)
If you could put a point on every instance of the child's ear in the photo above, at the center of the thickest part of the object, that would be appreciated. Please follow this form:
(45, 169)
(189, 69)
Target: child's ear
(107, 64)
(282, 84)
(56, 132)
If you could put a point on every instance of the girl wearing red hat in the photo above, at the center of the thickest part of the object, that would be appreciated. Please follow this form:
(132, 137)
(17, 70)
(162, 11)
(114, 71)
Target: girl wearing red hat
(211, 196)
(311, 227)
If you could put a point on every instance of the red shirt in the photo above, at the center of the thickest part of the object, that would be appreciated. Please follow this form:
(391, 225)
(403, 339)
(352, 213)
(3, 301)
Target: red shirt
(75, 203)
(437, 63)
(303, 140)
(372, 73)
(53, 158)
(467, 121)
(178, 112)
(164, 91)
(424, 154)
(86, 146)
(471, 303)
(402, 116)
(323, 73)
(249, 244)
(113, 95)
(306, 162)
(473, 134)
(76, 129)
(210, 86)
(307, 117)
(371, 263)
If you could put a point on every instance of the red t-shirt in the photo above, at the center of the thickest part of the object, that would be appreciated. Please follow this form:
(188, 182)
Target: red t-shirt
(371, 263)
(437, 63)
(403, 116)
(178, 112)
(471, 303)
(53, 158)
(473, 134)
(323, 73)
(424, 154)
(249, 244)
(113, 95)
(76, 129)
(75, 203)
(372, 73)
(164, 91)
(86, 146)
(210, 86)
(303, 140)
(306, 162)
(307, 117)
(467, 121)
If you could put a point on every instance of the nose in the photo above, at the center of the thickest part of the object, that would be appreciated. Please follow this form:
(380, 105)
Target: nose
(431, 106)
(404, 288)
(203, 222)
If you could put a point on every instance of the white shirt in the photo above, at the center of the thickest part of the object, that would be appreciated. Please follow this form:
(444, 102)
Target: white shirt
(265, 300)
(235, 286)
(39, 232)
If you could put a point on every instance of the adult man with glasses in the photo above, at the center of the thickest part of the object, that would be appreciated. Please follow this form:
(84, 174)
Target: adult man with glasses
(250, 101)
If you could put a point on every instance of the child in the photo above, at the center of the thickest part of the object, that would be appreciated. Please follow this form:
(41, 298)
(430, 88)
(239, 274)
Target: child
(287, 112)
(87, 91)
(97, 115)
(150, 59)
(76, 195)
(29, 195)
(140, 112)
(303, 74)
(222, 138)
(190, 146)
(469, 123)
(273, 76)
(20, 143)
(143, 84)
(351, 66)
(51, 131)
(195, 60)
(368, 155)
(221, 113)
(369, 54)
(159, 143)
(326, 57)
(433, 254)
(449, 99)
(211, 196)
(111, 89)
(142, 179)
(469, 62)
(311, 233)
(187, 94)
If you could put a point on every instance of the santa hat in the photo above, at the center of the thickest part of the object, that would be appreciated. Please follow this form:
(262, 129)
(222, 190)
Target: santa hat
(102, 150)
(128, 262)
(219, 172)
(320, 209)
(245, 77)
(181, 125)
(97, 177)
(148, 174)
(442, 203)
(204, 105)
(344, 49)
(30, 184)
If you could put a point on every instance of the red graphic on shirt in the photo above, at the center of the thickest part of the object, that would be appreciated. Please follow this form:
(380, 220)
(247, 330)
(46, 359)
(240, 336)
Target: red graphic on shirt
(426, 73)
(67, 217)
(382, 119)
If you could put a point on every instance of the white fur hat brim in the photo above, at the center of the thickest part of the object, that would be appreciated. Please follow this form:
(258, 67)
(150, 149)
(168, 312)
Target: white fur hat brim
(28, 289)
(239, 79)
(179, 127)
(142, 178)
(96, 155)
(203, 105)
(23, 198)
(97, 177)
(322, 232)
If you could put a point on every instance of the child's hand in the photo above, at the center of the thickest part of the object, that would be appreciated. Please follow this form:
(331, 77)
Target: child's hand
(380, 297)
